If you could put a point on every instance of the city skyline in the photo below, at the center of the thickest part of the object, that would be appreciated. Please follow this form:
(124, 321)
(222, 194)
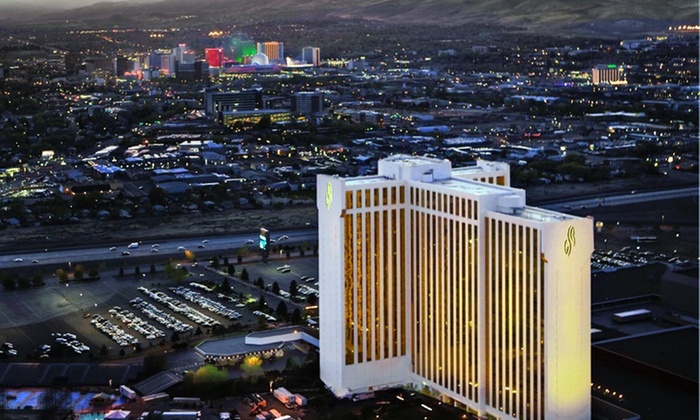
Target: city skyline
(465, 210)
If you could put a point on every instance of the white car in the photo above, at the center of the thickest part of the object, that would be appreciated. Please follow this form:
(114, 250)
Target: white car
(114, 248)
(181, 248)
(18, 260)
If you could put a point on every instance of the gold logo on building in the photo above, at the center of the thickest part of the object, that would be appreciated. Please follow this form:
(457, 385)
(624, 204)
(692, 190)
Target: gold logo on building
(570, 240)
(329, 195)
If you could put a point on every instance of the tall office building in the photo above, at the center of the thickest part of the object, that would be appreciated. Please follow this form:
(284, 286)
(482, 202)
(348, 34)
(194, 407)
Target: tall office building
(436, 281)
(311, 55)
(216, 102)
(273, 50)
(214, 56)
(307, 103)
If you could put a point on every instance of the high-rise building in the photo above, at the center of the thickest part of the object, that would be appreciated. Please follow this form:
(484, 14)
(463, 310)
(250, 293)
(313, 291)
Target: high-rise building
(436, 281)
(307, 103)
(607, 74)
(311, 55)
(239, 50)
(184, 55)
(216, 102)
(214, 56)
(273, 50)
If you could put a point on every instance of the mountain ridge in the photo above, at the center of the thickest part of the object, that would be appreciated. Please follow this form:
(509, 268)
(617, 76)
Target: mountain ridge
(533, 14)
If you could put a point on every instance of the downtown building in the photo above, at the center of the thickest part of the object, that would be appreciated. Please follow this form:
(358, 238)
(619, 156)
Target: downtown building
(607, 74)
(443, 281)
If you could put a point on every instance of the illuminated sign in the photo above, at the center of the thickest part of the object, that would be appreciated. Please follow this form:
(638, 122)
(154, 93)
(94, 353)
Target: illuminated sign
(264, 239)
(570, 240)
(329, 195)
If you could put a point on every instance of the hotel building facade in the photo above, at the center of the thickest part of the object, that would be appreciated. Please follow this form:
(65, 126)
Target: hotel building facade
(442, 280)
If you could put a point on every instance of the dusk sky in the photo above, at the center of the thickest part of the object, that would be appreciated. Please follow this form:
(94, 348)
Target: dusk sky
(60, 3)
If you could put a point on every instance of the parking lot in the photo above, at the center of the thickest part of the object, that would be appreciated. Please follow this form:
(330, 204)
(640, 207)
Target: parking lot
(73, 322)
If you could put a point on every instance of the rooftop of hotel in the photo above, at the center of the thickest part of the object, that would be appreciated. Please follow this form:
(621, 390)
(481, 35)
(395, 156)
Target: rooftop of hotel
(413, 160)
(473, 187)
(543, 215)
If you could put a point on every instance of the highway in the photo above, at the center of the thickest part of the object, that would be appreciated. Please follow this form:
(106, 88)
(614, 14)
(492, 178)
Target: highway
(296, 236)
(621, 199)
(170, 247)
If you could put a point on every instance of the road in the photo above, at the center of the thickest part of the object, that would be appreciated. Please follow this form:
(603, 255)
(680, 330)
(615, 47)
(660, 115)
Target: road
(165, 248)
(296, 236)
(621, 199)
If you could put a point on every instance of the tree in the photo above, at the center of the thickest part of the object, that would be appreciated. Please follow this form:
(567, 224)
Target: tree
(312, 299)
(38, 280)
(260, 282)
(226, 261)
(252, 365)
(231, 270)
(79, 272)
(62, 275)
(225, 287)
(175, 337)
(215, 262)
(53, 401)
(244, 275)
(153, 269)
(209, 373)
(23, 282)
(103, 350)
(296, 316)
(261, 303)
(94, 272)
(121, 271)
(282, 311)
(137, 270)
(8, 283)
(293, 288)
(158, 195)
(173, 272)
(275, 288)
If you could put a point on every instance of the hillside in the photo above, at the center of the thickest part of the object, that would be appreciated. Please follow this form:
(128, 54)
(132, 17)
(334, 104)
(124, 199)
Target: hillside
(529, 14)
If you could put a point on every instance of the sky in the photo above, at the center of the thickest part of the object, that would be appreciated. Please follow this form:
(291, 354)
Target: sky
(55, 4)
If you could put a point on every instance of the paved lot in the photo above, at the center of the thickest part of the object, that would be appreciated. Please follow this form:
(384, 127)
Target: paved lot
(29, 317)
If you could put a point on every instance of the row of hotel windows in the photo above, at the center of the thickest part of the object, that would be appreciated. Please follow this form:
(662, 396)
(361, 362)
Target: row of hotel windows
(445, 302)
(375, 295)
(497, 180)
(375, 197)
(515, 319)
(448, 203)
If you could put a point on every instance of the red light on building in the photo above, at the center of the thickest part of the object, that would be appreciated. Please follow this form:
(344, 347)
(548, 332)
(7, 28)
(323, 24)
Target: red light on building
(215, 56)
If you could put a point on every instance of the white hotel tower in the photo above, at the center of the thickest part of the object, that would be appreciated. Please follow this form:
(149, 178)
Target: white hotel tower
(445, 282)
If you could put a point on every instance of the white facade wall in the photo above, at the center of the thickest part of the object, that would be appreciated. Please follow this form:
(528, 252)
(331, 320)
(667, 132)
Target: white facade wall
(493, 297)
